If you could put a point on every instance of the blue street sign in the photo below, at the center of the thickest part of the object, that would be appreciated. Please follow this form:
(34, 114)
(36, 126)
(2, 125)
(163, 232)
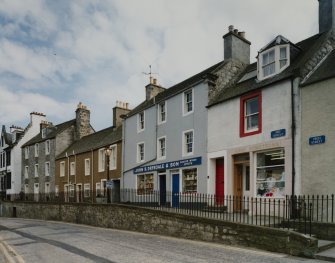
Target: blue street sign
(169, 165)
(278, 133)
(317, 140)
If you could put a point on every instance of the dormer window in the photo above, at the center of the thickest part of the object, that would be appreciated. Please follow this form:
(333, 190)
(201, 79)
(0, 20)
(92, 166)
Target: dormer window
(273, 58)
(273, 61)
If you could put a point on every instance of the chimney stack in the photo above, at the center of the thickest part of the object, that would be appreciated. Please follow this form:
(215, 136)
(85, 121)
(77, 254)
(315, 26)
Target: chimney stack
(152, 89)
(121, 108)
(83, 126)
(236, 46)
(326, 15)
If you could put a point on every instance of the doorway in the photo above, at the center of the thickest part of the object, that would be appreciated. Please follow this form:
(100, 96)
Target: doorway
(79, 193)
(175, 190)
(219, 182)
(241, 177)
(162, 189)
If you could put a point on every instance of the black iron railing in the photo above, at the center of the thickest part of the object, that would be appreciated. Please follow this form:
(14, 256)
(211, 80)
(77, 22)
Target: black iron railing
(291, 212)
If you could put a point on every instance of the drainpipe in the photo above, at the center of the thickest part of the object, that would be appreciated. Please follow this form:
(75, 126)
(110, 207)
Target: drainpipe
(92, 171)
(293, 135)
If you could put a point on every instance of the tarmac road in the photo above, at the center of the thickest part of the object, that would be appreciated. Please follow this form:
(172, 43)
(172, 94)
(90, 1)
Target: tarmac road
(39, 241)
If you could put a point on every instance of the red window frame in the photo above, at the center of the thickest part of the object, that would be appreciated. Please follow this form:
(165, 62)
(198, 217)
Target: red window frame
(243, 99)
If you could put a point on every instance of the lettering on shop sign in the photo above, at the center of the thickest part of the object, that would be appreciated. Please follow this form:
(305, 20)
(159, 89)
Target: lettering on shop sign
(317, 140)
(278, 133)
(169, 165)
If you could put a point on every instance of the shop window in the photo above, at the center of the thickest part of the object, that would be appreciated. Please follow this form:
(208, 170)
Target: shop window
(145, 184)
(251, 114)
(190, 180)
(271, 174)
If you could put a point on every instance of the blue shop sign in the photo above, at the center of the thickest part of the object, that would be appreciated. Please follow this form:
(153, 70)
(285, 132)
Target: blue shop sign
(278, 133)
(317, 140)
(169, 165)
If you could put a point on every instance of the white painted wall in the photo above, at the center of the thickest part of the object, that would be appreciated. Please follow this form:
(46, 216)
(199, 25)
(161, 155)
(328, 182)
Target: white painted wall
(224, 134)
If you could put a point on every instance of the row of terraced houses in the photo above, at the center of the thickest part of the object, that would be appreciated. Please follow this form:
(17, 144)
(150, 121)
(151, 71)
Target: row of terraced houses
(263, 129)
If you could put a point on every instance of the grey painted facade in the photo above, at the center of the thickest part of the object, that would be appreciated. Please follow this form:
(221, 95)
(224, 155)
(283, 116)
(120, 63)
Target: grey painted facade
(318, 161)
(174, 127)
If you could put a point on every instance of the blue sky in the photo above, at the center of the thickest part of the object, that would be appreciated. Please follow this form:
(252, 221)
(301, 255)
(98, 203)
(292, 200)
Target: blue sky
(54, 54)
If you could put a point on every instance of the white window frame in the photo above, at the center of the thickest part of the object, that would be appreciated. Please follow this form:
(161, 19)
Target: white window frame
(140, 122)
(185, 111)
(98, 189)
(87, 187)
(36, 147)
(26, 152)
(113, 157)
(47, 147)
(184, 143)
(62, 169)
(277, 60)
(72, 168)
(26, 172)
(246, 116)
(101, 160)
(159, 155)
(87, 167)
(160, 113)
(47, 168)
(138, 153)
(36, 170)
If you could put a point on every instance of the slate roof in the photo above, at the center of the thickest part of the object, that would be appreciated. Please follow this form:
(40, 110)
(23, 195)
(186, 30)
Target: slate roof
(301, 53)
(325, 71)
(94, 141)
(176, 89)
(52, 132)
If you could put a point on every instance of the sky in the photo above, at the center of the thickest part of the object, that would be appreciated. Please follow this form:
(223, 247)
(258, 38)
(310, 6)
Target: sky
(55, 54)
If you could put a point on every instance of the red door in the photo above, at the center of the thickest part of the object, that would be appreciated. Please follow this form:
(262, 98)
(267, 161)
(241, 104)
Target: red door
(219, 181)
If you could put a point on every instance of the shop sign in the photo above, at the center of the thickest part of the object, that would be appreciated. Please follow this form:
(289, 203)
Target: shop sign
(278, 133)
(317, 140)
(169, 165)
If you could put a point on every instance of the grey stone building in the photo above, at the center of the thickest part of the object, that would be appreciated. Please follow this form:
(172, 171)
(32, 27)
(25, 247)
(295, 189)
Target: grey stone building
(38, 154)
(165, 137)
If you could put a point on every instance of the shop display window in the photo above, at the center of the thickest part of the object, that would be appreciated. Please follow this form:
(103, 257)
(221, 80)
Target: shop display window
(145, 184)
(271, 174)
(190, 180)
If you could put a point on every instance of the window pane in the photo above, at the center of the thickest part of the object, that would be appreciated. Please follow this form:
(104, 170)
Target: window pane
(272, 56)
(283, 53)
(190, 180)
(251, 106)
(271, 174)
(252, 122)
(283, 63)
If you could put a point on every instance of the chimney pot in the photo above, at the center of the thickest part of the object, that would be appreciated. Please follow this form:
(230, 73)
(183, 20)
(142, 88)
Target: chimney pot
(230, 28)
(241, 34)
(236, 31)
(155, 81)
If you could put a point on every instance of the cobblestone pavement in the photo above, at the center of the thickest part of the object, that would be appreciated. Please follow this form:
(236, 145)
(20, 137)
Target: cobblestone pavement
(38, 241)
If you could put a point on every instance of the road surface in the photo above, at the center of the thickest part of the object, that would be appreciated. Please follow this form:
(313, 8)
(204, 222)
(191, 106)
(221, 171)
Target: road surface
(39, 241)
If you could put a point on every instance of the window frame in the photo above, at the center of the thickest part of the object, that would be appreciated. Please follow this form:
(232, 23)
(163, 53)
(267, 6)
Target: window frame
(160, 113)
(72, 168)
(26, 172)
(62, 169)
(146, 181)
(47, 168)
(87, 188)
(195, 178)
(47, 147)
(159, 155)
(37, 149)
(138, 153)
(26, 152)
(243, 100)
(113, 157)
(87, 165)
(184, 143)
(277, 61)
(185, 102)
(101, 160)
(36, 172)
(140, 122)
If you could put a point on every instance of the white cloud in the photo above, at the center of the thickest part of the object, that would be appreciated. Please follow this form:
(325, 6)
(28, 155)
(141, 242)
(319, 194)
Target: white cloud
(95, 51)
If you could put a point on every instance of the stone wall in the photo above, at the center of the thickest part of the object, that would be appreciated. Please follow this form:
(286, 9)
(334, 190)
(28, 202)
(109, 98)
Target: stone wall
(126, 217)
